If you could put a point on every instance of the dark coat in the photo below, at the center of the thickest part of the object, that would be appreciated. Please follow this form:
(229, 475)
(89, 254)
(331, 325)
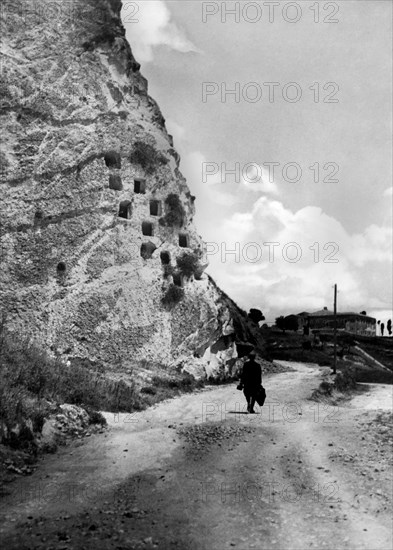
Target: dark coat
(251, 377)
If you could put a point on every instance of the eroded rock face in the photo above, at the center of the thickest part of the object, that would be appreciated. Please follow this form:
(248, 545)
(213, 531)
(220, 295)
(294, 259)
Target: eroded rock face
(89, 235)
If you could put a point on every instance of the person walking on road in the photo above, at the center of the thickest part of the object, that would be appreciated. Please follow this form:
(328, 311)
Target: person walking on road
(251, 380)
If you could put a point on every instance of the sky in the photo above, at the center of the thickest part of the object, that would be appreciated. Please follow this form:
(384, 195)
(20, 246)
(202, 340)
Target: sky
(281, 113)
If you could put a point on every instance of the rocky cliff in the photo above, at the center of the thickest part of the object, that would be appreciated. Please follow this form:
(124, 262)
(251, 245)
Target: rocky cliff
(100, 257)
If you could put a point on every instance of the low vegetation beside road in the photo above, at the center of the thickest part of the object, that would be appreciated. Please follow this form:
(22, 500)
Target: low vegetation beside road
(35, 388)
(289, 346)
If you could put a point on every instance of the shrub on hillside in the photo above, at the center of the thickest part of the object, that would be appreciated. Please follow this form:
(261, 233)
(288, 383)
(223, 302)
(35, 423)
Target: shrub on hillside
(256, 315)
(345, 380)
(168, 385)
(107, 32)
(184, 381)
(31, 381)
(173, 295)
(326, 388)
(146, 156)
(175, 212)
(188, 263)
(344, 383)
(95, 417)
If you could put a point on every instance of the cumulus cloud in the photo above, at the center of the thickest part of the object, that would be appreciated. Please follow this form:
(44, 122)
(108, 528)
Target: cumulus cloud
(263, 254)
(151, 26)
(259, 179)
(251, 177)
(209, 189)
(215, 183)
(286, 261)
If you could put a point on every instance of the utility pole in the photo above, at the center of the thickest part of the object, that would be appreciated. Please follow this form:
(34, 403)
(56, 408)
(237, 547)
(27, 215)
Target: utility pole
(335, 331)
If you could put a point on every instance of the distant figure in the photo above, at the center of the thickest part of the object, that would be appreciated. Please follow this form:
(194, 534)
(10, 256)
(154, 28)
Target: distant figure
(306, 345)
(251, 380)
(382, 328)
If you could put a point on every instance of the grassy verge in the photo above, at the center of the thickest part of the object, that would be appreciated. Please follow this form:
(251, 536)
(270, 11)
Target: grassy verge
(171, 384)
(371, 375)
(338, 388)
(34, 385)
(301, 356)
(289, 347)
(379, 348)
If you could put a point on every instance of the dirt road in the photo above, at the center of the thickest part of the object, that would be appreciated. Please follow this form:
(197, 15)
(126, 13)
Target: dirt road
(196, 472)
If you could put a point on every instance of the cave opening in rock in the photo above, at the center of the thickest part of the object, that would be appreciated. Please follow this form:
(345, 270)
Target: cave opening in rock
(165, 258)
(125, 210)
(147, 229)
(140, 186)
(38, 216)
(61, 268)
(177, 279)
(147, 250)
(155, 208)
(112, 159)
(115, 182)
(183, 240)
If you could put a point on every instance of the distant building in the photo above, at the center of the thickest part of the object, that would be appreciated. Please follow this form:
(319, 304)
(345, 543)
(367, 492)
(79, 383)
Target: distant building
(355, 323)
(303, 319)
